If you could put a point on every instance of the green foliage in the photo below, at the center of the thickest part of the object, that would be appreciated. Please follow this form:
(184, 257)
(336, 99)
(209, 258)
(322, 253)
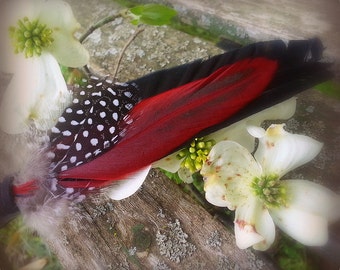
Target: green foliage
(23, 246)
(292, 255)
(173, 176)
(330, 88)
(73, 76)
(198, 182)
(152, 14)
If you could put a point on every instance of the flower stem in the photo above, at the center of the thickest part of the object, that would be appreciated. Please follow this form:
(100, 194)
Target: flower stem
(98, 25)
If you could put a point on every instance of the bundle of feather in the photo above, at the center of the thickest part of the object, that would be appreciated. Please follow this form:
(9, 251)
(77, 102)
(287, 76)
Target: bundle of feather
(111, 133)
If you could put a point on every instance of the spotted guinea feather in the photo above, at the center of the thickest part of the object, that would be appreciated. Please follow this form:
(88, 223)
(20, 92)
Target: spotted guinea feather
(91, 125)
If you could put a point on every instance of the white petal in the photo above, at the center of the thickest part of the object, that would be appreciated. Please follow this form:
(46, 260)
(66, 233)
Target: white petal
(281, 111)
(265, 226)
(68, 51)
(74, 56)
(185, 175)
(122, 189)
(280, 151)
(21, 95)
(246, 236)
(54, 97)
(238, 131)
(169, 163)
(58, 14)
(313, 198)
(230, 168)
(253, 225)
(307, 228)
(256, 131)
(37, 92)
(215, 194)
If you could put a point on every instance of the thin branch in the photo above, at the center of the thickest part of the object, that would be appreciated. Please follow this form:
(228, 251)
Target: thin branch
(135, 34)
(97, 25)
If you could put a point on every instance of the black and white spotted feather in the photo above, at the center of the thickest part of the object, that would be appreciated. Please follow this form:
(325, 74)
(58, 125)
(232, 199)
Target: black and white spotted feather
(93, 123)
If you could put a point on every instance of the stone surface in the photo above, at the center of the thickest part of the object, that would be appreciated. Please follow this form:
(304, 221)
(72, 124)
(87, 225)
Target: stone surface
(247, 20)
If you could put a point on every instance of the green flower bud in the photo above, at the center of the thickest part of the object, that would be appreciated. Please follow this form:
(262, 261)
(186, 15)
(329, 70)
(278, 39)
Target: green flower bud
(270, 190)
(30, 37)
(195, 155)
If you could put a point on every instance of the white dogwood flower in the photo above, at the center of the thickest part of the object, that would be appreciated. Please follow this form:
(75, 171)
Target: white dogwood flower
(36, 36)
(253, 187)
(187, 161)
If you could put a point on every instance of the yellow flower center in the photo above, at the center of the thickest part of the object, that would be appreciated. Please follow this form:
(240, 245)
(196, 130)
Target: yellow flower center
(194, 155)
(270, 190)
(30, 37)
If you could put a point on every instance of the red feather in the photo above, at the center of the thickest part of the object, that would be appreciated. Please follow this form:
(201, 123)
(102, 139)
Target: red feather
(162, 123)
(27, 188)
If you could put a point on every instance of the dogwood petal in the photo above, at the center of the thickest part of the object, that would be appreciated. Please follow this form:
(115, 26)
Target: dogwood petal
(215, 193)
(237, 132)
(280, 111)
(253, 225)
(256, 131)
(75, 55)
(66, 48)
(279, 151)
(41, 100)
(265, 226)
(313, 198)
(228, 171)
(55, 96)
(50, 14)
(246, 236)
(18, 99)
(185, 175)
(307, 228)
(122, 189)
(169, 163)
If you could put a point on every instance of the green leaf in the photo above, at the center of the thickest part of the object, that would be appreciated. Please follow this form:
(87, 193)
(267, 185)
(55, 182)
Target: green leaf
(292, 255)
(153, 14)
(73, 75)
(134, 22)
(198, 182)
(173, 176)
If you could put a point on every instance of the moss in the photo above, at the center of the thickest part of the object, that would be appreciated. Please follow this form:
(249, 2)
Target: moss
(330, 88)
(141, 238)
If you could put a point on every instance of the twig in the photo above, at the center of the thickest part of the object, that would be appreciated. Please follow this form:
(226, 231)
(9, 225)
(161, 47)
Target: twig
(97, 25)
(135, 34)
